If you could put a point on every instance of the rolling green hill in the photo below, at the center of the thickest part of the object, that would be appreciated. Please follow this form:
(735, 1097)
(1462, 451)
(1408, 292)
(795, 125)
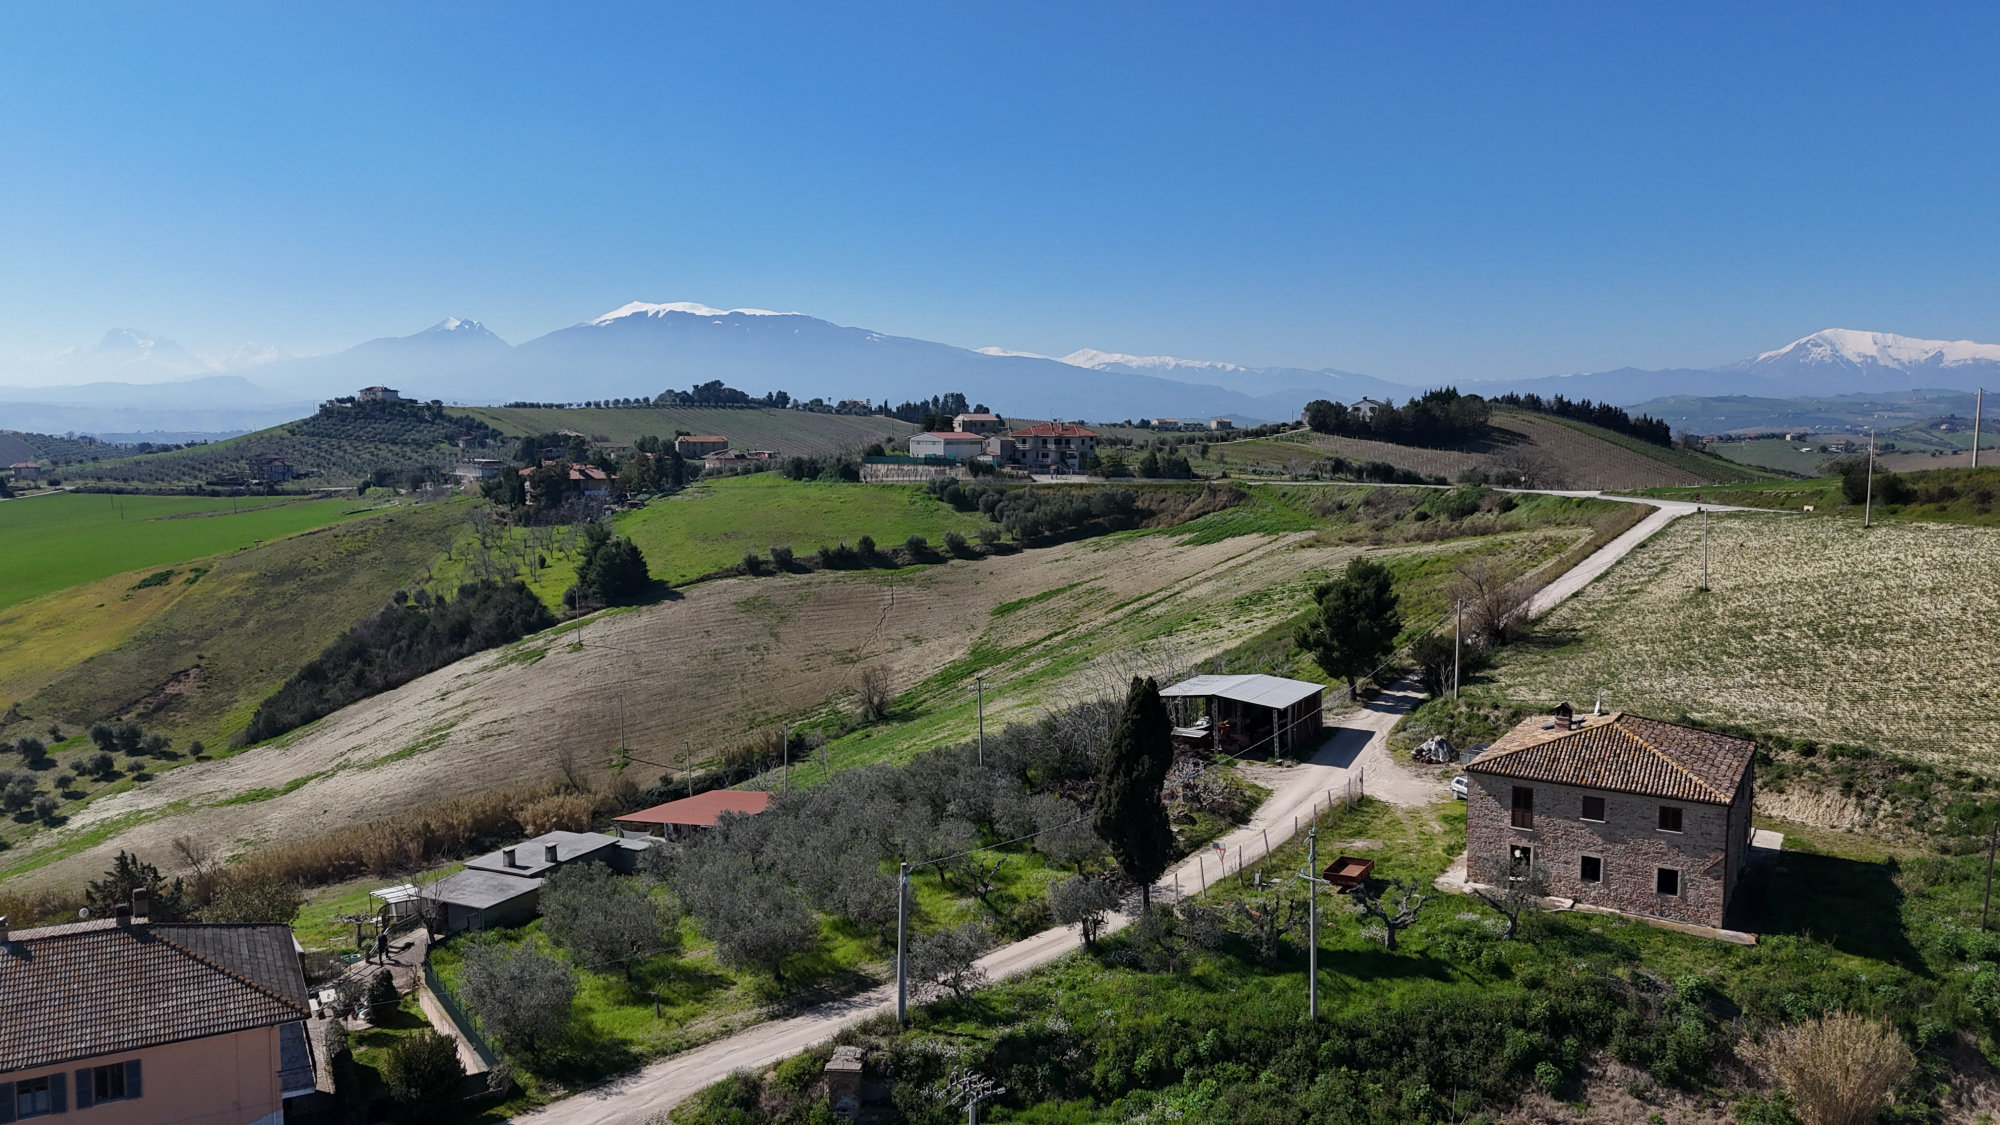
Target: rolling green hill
(786, 431)
(65, 539)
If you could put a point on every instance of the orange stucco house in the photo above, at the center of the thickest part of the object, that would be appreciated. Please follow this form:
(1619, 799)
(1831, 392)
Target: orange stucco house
(121, 1021)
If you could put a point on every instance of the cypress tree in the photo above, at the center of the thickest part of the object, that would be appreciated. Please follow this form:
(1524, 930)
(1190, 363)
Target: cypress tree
(1129, 814)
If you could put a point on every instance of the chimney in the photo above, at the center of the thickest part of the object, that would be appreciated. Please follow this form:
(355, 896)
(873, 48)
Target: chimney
(506, 857)
(142, 905)
(549, 852)
(122, 914)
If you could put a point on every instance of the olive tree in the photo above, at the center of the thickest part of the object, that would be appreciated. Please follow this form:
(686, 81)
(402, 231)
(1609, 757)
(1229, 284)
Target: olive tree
(604, 919)
(521, 997)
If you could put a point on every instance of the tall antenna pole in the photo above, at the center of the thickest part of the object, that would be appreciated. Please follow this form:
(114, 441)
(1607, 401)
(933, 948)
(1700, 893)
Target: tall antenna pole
(687, 764)
(902, 940)
(1978, 400)
(979, 684)
(788, 759)
(1868, 505)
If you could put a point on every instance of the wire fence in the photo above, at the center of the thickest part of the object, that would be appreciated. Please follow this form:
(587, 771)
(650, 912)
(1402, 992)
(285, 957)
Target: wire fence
(454, 1010)
(1218, 862)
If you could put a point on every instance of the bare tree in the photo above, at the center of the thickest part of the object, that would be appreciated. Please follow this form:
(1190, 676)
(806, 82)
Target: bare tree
(1267, 918)
(1495, 598)
(1523, 891)
(877, 696)
(1524, 466)
(1393, 917)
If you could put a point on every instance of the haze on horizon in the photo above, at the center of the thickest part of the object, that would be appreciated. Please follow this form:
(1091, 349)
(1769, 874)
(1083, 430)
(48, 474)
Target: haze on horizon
(1420, 196)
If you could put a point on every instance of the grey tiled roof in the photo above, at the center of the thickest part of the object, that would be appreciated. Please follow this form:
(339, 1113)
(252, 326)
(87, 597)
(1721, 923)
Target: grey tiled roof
(474, 889)
(98, 988)
(1623, 753)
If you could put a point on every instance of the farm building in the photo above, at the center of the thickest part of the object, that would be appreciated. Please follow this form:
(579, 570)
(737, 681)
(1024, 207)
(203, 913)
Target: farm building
(379, 394)
(24, 471)
(1254, 714)
(690, 815)
(978, 424)
(1221, 424)
(952, 446)
(584, 480)
(1365, 408)
(1616, 811)
(700, 445)
(736, 458)
(501, 888)
(472, 471)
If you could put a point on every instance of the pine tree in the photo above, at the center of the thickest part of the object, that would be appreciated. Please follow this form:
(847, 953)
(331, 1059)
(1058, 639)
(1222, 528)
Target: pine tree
(1129, 814)
(1357, 622)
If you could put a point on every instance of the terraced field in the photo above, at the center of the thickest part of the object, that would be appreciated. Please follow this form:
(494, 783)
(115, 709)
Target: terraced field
(1814, 628)
(786, 431)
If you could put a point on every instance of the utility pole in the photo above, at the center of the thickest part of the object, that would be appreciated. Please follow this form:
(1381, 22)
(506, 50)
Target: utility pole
(1868, 505)
(788, 759)
(687, 764)
(1978, 400)
(979, 685)
(902, 941)
(1704, 548)
(1457, 614)
(1313, 923)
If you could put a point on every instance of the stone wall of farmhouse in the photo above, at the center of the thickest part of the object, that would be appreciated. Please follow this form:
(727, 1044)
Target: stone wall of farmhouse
(1628, 843)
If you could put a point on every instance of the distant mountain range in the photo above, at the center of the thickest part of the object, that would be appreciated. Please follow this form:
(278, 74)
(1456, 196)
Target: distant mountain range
(639, 349)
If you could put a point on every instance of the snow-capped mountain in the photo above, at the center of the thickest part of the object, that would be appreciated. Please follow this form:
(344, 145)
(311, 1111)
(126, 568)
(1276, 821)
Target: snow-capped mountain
(130, 355)
(1847, 352)
(1281, 392)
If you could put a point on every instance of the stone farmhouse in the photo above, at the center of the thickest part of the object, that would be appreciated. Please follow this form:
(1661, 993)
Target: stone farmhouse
(1616, 811)
(700, 445)
(981, 424)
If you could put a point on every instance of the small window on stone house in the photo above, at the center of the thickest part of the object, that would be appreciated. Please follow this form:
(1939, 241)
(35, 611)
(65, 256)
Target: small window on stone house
(1670, 818)
(1667, 881)
(1593, 808)
(1524, 807)
(1591, 870)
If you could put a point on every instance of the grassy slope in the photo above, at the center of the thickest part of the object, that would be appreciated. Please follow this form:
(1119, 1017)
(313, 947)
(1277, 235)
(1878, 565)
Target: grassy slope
(1707, 466)
(787, 431)
(1973, 504)
(712, 524)
(65, 539)
(247, 623)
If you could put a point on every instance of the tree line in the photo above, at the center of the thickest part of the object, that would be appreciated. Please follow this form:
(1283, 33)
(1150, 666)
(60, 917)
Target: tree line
(414, 635)
(1645, 427)
(1437, 417)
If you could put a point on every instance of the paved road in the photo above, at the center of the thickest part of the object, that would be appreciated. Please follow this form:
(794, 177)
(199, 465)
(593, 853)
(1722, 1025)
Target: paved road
(1357, 754)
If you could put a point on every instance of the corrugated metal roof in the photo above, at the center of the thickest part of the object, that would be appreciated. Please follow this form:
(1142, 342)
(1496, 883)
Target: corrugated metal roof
(1262, 691)
(1623, 753)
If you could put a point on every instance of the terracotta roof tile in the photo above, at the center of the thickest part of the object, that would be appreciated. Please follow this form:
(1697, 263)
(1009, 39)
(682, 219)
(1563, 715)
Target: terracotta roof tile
(97, 988)
(1623, 753)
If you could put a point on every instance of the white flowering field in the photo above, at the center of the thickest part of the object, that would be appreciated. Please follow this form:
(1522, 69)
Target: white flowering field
(1812, 627)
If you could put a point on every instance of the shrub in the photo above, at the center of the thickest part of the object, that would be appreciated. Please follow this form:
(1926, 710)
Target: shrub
(751, 560)
(568, 812)
(520, 996)
(917, 544)
(99, 764)
(955, 543)
(256, 899)
(423, 1073)
(1840, 1069)
(781, 557)
(65, 779)
(877, 696)
(866, 546)
(44, 806)
(31, 749)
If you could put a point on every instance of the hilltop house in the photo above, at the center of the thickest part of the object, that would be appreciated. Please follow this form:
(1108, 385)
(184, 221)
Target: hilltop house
(24, 471)
(1049, 447)
(269, 467)
(981, 424)
(584, 480)
(378, 394)
(1221, 424)
(700, 445)
(1618, 811)
(123, 1020)
(953, 446)
(1365, 408)
(474, 471)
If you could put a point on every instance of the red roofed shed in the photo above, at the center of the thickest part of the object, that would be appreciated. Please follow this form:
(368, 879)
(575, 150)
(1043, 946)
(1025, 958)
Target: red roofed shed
(691, 814)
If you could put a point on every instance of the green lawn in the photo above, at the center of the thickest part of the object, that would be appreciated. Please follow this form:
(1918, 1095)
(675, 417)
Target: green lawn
(61, 540)
(713, 524)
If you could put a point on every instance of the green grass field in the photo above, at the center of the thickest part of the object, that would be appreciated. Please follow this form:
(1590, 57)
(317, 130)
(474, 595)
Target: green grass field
(66, 539)
(711, 525)
(786, 431)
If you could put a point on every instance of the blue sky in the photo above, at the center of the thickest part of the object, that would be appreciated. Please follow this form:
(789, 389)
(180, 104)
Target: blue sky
(1421, 193)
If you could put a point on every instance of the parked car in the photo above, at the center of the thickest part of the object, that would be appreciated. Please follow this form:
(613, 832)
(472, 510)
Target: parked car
(1458, 787)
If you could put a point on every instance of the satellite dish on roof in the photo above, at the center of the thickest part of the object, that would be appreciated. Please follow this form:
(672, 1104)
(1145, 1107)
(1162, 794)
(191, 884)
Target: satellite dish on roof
(83, 913)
